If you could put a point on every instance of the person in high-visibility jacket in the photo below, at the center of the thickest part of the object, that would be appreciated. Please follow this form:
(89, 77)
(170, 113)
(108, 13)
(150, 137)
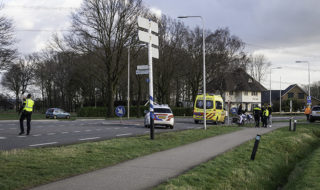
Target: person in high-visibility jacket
(257, 114)
(307, 112)
(265, 115)
(26, 113)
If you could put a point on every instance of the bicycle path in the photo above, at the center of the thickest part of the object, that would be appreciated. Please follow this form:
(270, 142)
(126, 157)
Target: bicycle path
(151, 170)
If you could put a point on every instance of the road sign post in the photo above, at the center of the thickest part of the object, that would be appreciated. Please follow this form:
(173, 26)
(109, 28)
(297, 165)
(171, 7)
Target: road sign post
(152, 52)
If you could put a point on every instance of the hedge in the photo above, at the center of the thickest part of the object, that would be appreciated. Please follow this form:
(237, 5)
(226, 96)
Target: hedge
(102, 111)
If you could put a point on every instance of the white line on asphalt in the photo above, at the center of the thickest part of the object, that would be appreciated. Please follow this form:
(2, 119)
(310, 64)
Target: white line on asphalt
(98, 129)
(51, 133)
(126, 127)
(91, 138)
(1, 129)
(146, 131)
(13, 128)
(65, 132)
(43, 144)
(116, 128)
(1, 138)
(190, 127)
(76, 131)
(21, 136)
(11, 124)
(88, 130)
(124, 134)
(37, 135)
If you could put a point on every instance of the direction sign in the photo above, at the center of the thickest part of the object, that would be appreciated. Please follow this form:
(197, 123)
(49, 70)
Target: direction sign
(145, 37)
(120, 111)
(155, 52)
(142, 67)
(234, 110)
(142, 72)
(145, 23)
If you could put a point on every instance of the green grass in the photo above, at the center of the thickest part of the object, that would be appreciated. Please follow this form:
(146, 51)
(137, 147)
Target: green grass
(276, 157)
(21, 169)
(306, 174)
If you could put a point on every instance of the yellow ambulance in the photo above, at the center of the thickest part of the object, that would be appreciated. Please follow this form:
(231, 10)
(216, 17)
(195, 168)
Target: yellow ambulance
(214, 108)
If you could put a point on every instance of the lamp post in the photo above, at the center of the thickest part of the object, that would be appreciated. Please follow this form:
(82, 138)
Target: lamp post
(280, 96)
(308, 75)
(270, 80)
(204, 70)
(128, 107)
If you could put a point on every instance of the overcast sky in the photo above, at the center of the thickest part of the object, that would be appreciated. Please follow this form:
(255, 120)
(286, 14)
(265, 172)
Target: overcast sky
(283, 30)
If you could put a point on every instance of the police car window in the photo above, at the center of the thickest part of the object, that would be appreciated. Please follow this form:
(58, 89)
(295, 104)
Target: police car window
(316, 109)
(218, 105)
(162, 110)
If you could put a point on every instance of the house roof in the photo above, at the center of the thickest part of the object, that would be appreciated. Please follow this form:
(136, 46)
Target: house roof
(238, 80)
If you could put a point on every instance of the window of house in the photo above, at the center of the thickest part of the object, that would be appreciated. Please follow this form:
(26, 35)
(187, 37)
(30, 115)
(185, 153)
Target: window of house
(301, 96)
(231, 93)
(246, 93)
(290, 95)
(250, 80)
(254, 93)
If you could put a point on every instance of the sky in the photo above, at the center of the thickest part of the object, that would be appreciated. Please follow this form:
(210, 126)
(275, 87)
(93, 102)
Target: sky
(284, 31)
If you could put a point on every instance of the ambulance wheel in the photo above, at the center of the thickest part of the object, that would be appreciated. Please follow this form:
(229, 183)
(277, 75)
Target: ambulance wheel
(54, 117)
(171, 126)
(196, 121)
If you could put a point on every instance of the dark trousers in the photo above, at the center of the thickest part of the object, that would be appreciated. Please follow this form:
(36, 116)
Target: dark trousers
(264, 121)
(308, 115)
(24, 115)
(257, 120)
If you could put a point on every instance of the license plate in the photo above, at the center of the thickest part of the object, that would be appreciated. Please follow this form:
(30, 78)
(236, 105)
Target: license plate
(161, 117)
(318, 112)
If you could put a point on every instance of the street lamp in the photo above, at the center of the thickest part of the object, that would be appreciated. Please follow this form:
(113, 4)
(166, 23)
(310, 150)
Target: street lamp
(270, 80)
(204, 69)
(308, 74)
(128, 107)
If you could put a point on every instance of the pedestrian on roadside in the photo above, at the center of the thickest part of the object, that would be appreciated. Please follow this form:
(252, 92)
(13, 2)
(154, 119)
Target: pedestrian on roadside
(307, 112)
(257, 114)
(265, 116)
(27, 109)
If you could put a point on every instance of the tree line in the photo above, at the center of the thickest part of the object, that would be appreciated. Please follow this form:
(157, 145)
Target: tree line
(88, 66)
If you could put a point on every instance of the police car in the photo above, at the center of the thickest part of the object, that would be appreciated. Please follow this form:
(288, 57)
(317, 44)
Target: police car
(162, 116)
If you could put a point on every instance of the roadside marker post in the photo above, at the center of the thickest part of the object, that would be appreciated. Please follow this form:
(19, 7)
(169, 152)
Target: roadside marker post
(255, 147)
(151, 39)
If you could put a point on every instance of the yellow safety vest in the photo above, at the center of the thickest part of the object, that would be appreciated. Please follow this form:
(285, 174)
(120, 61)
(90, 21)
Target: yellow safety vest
(28, 105)
(266, 112)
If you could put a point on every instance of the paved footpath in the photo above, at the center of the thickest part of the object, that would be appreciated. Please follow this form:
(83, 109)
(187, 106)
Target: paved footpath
(154, 169)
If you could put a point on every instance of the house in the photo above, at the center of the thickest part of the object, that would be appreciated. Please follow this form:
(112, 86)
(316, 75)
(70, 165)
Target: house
(238, 87)
(293, 92)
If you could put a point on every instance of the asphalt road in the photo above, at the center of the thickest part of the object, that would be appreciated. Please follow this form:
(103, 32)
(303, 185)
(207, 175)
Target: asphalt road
(59, 132)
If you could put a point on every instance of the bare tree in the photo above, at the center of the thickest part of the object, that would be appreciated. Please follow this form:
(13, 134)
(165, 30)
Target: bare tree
(7, 52)
(18, 77)
(105, 28)
(258, 66)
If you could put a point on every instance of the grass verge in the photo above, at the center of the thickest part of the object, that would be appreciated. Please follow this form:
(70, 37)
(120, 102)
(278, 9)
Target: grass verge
(306, 174)
(20, 169)
(277, 155)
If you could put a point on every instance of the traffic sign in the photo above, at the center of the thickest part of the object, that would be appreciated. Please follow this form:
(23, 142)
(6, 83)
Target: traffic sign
(120, 111)
(142, 67)
(309, 100)
(145, 23)
(142, 72)
(145, 37)
(234, 110)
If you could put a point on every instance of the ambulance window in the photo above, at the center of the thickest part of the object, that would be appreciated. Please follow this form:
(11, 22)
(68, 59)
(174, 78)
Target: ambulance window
(209, 104)
(199, 104)
(218, 105)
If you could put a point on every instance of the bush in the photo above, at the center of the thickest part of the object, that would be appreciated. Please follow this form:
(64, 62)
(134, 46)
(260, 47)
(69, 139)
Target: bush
(178, 111)
(92, 112)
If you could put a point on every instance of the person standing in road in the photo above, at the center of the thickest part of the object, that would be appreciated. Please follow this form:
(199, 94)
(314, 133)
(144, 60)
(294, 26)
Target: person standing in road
(265, 115)
(26, 113)
(307, 112)
(257, 114)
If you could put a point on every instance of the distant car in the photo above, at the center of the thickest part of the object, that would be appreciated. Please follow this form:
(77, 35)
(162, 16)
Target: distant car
(315, 113)
(56, 113)
(162, 116)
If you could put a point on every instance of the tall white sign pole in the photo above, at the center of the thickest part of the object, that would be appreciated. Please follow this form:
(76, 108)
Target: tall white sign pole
(150, 83)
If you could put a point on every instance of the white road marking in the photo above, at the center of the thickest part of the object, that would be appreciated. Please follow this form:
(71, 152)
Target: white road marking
(190, 127)
(1, 138)
(33, 145)
(51, 133)
(91, 138)
(116, 128)
(11, 124)
(126, 127)
(65, 132)
(98, 129)
(21, 136)
(124, 134)
(1, 129)
(146, 131)
(37, 135)
(76, 131)
(88, 130)
(12, 128)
